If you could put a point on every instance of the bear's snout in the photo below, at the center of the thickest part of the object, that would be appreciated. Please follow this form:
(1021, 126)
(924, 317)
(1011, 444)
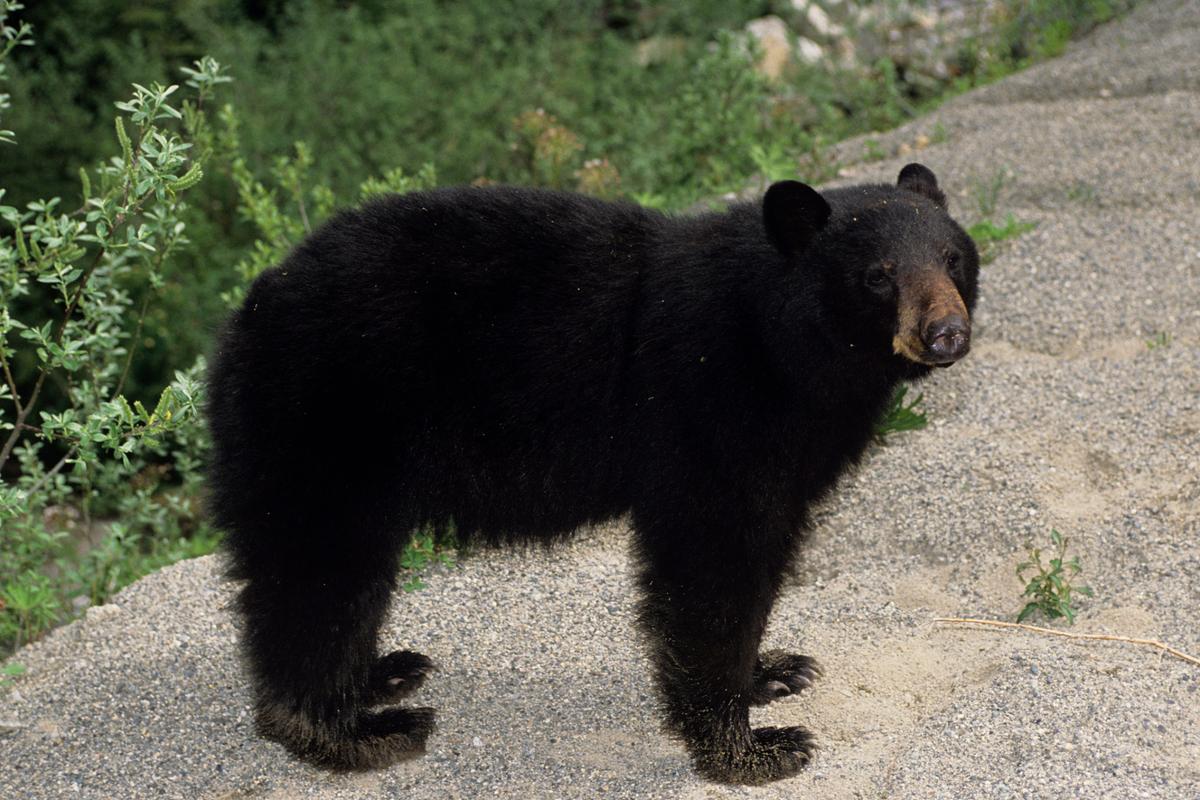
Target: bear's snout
(933, 326)
(947, 339)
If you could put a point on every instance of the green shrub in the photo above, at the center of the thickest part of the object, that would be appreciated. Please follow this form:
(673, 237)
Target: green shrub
(75, 448)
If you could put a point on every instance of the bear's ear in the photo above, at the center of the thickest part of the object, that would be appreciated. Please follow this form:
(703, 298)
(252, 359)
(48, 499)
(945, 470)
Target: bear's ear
(920, 179)
(793, 213)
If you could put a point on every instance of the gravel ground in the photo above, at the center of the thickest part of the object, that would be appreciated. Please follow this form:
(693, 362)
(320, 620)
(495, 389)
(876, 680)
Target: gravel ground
(1062, 417)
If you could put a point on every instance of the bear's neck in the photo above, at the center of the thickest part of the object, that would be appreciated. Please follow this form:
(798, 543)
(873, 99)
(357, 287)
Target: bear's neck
(770, 342)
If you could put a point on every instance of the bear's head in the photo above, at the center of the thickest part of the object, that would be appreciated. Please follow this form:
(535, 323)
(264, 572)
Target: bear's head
(897, 273)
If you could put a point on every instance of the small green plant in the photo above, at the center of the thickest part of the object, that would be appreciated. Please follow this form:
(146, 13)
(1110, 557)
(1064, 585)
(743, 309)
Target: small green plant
(986, 191)
(1054, 39)
(773, 163)
(874, 151)
(397, 181)
(1082, 192)
(599, 178)
(653, 200)
(549, 149)
(1050, 585)
(8, 672)
(28, 606)
(425, 549)
(900, 415)
(1159, 340)
(988, 235)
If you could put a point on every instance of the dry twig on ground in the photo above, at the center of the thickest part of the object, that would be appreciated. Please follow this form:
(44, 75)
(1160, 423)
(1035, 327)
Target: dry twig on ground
(1067, 634)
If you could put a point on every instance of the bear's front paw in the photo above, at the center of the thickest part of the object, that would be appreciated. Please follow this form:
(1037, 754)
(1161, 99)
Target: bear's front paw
(773, 753)
(779, 674)
(397, 675)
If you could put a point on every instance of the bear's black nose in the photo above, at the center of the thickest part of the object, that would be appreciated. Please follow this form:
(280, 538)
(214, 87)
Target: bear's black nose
(948, 339)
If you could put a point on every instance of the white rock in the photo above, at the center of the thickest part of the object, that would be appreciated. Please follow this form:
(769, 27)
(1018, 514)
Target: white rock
(821, 23)
(809, 51)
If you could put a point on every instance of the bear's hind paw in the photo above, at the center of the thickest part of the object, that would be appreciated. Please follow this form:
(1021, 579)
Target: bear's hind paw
(374, 739)
(382, 739)
(396, 732)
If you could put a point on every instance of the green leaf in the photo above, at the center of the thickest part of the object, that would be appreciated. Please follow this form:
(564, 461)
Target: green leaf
(188, 179)
(123, 138)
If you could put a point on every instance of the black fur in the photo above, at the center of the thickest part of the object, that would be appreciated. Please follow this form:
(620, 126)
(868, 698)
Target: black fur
(518, 363)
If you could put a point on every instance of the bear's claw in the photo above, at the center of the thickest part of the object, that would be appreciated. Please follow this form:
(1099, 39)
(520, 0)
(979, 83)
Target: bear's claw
(772, 754)
(397, 675)
(779, 674)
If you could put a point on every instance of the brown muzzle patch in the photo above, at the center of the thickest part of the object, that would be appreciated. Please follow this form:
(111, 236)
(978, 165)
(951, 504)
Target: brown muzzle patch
(933, 326)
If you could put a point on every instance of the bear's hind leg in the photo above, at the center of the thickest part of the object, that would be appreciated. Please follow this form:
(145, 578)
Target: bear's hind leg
(314, 600)
(708, 588)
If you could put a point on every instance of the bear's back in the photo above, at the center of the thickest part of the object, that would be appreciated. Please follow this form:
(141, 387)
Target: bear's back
(481, 334)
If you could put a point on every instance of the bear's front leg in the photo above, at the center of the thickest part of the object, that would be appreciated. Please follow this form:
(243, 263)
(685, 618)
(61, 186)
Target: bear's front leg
(708, 590)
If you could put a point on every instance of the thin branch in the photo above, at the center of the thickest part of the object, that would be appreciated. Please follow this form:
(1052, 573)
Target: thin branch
(1066, 634)
(19, 425)
(50, 473)
(8, 378)
(133, 344)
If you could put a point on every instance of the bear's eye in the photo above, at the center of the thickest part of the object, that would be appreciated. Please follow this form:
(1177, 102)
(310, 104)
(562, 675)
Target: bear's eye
(877, 278)
(954, 263)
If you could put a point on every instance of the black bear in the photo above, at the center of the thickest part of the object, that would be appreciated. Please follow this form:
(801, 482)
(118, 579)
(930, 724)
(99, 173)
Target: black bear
(517, 363)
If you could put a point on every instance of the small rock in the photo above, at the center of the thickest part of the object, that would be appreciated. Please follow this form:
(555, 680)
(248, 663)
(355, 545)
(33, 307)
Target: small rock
(820, 22)
(105, 611)
(925, 20)
(773, 37)
(809, 51)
